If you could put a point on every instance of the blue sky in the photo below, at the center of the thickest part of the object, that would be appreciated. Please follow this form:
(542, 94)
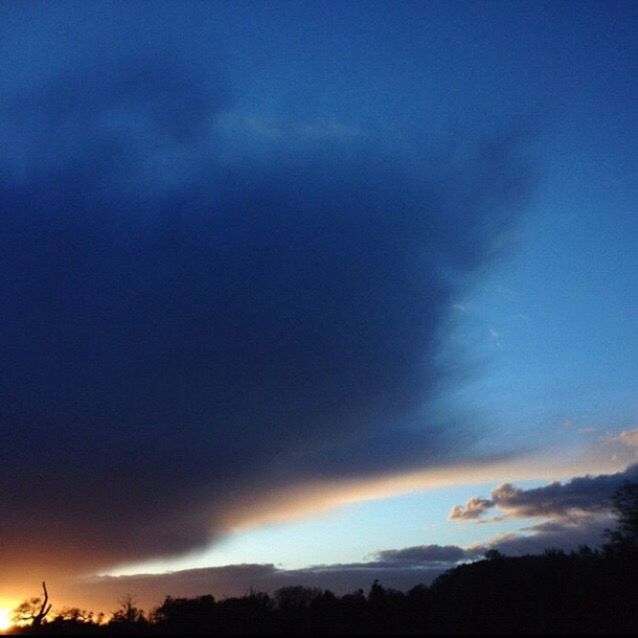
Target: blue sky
(354, 533)
(167, 168)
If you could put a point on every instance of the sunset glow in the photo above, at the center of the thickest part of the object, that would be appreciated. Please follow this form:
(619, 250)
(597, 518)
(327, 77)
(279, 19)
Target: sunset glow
(5, 619)
(310, 293)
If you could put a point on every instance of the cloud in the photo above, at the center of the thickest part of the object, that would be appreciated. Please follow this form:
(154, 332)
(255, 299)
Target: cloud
(398, 568)
(628, 438)
(578, 496)
(472, 510)
(183, 328)
(422, 554)
(561, 535)
(149, 590)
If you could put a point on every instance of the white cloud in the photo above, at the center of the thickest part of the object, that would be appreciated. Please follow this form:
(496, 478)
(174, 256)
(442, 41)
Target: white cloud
(627, 437)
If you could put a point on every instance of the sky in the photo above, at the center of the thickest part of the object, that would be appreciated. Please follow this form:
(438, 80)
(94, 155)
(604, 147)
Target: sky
(311, 292)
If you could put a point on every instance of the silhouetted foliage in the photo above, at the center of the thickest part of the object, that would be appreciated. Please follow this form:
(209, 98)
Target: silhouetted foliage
(34, 611)
(493, 554)
(586, 591)
(623, 541)
(582, 592)
(128, 612)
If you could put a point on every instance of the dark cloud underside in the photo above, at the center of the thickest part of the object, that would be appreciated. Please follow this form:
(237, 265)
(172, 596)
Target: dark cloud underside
(179, 328)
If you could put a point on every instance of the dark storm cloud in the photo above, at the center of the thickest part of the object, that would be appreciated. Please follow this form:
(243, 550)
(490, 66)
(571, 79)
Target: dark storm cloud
(182, 325)
(580, 495)
(423, 554)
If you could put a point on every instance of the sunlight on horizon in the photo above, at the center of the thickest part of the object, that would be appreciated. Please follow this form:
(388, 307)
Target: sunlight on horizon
(5, 619)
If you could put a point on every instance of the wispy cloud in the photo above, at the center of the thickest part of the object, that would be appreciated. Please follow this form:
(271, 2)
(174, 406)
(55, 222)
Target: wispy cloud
(629, 438)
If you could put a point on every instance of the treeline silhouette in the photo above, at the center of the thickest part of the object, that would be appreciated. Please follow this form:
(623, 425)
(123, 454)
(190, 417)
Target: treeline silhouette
(585, 591)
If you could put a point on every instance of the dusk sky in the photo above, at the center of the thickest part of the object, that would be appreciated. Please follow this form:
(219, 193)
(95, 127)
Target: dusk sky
(311, 292)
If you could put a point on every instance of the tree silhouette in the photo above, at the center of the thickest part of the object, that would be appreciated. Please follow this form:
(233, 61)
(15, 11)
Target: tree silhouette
(75, 615)
(33, 611)
(584, 592)
(623, 540)
(128, 612)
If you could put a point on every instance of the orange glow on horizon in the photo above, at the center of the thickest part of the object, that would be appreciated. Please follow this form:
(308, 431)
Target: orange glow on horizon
(303, 500)
(5, 619)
